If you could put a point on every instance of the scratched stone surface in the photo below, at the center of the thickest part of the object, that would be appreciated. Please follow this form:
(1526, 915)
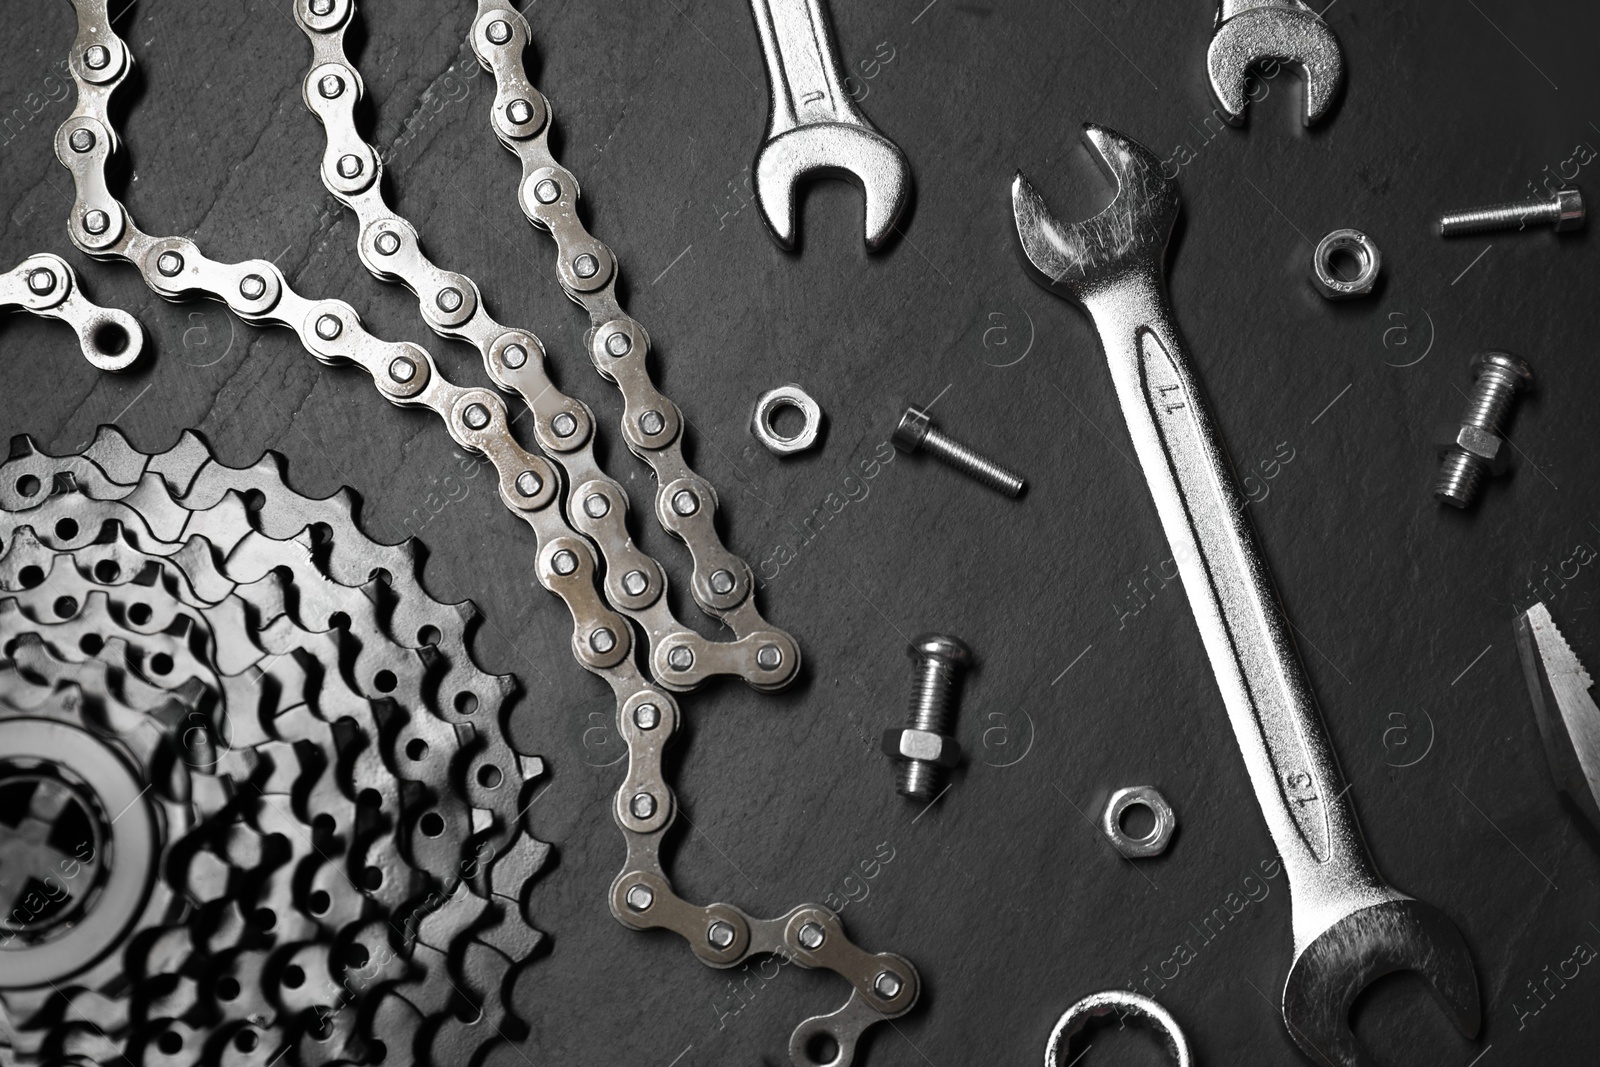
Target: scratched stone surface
(1092, 675)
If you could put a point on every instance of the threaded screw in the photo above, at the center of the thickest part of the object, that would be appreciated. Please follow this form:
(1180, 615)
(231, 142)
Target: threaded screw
(916, 431)
(1564, 210)
(925, 745)
(1476, 448)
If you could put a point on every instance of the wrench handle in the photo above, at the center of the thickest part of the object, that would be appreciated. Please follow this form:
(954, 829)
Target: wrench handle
(802, 61)
(1291, 763)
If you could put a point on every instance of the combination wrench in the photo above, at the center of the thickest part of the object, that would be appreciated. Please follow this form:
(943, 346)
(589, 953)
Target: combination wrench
(1251, 31)
(1350, 927)
(814, 127)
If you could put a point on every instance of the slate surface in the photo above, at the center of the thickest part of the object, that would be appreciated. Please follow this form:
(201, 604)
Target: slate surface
(1006, 898)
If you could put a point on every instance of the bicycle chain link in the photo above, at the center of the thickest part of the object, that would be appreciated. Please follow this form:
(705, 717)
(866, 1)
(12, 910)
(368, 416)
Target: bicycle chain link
(296, 750)
(46, 285)
(452, 305)
(884, 985)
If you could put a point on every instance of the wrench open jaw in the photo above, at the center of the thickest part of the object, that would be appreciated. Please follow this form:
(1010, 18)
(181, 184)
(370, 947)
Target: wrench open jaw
(814, 127)
(1250, 32)
(1398, 935)
(1350, 927)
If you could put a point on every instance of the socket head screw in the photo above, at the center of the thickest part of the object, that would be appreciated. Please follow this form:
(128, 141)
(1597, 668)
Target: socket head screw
(1569, 210)
(914, 425)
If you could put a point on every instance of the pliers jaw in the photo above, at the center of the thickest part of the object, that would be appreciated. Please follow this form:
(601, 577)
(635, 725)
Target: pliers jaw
(1564, 707)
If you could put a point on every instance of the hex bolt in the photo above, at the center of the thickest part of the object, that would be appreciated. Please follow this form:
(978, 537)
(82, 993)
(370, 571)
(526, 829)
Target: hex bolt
(916, 431)
(1476, 448)
(1564, 210)
(925, 746)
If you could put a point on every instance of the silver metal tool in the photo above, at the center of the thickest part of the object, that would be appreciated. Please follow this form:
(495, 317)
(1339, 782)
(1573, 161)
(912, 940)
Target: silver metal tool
(925, 747)
(1249, 32)
(814, 126)
(1569, 721)
(1564, 211)
(43, 284)
(1349, 926)
(1476, 447)
(1124, 1005)
(917, 433)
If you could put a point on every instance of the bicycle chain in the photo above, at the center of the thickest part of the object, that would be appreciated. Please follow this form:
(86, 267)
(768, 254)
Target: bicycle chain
(296, 777)
(46, 285)
(452, 305)
(884, 985)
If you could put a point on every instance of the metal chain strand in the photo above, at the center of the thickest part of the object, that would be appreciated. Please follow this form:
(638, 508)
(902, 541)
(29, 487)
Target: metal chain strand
(884, 985)
(452, 305)
(618, 345)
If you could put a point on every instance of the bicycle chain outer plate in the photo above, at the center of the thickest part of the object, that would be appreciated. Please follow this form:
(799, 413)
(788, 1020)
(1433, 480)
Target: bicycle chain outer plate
(256, 805)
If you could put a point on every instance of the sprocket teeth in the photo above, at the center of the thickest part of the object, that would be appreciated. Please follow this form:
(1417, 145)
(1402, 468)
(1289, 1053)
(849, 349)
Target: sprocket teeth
(311, 792)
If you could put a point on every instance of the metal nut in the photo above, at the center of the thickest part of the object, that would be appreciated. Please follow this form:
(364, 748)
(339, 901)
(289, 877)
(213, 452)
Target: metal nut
(1152, 844)
(786, 396)
(1368, 259)
(1476, 441)
(906, 742)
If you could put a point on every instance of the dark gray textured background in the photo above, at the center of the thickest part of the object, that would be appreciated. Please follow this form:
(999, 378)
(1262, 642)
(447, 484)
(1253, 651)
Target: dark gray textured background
(1004, 896)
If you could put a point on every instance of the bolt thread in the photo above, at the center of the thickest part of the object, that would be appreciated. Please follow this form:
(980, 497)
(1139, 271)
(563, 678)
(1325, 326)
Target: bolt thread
(955, 454)
(1459, 475)
(1490, 401)
(933, 706)
(1498, 217)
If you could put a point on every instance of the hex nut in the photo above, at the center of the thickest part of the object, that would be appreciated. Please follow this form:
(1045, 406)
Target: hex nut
(1152, 844)
(1369, 259)
(905, 742)
(769, 402)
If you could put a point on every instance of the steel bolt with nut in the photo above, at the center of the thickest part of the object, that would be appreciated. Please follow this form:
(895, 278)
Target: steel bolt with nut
(925, 746)
(1476, 447)
(917, 432)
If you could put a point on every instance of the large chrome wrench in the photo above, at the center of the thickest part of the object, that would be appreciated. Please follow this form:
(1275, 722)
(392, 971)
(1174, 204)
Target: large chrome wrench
(814, 126)
(1349, 926)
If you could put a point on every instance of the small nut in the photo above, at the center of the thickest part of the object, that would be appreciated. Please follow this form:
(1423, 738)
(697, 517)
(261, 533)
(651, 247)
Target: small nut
(1152, 844)
(786, 396)
(1474, 441)
(905, 742)
(1368, 262)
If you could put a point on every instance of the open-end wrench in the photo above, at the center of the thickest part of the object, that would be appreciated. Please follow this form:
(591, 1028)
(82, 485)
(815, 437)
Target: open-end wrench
(1251, 31)
(1349, 926)
(813, 125)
